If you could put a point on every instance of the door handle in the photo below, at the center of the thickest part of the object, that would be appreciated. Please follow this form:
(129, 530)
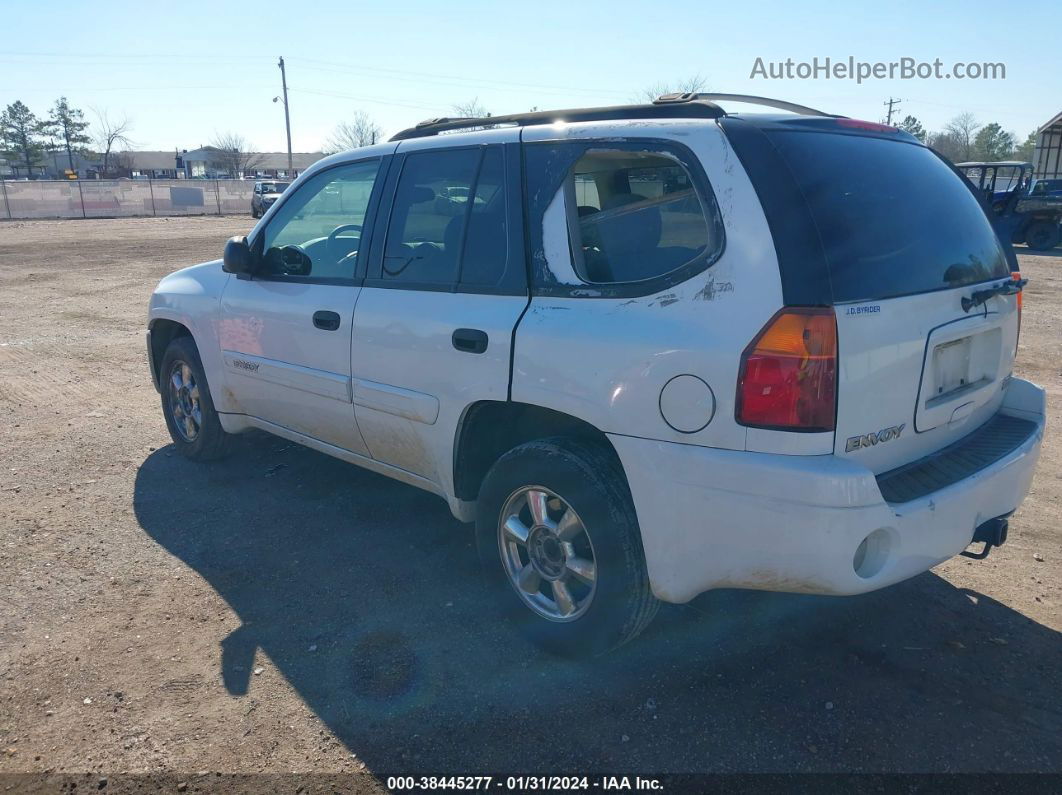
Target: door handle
(329, 321)
(470, 340)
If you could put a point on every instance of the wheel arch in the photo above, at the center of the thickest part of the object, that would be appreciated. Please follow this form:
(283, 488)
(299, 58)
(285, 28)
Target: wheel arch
(488, 429)
(163, 331)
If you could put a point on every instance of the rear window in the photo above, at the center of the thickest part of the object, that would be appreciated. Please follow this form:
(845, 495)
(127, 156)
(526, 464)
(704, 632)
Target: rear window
(892, 218)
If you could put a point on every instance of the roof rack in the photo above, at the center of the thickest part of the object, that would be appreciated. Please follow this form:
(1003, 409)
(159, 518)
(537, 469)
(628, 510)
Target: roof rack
(690, 96)
(689, 105)
(692, 109)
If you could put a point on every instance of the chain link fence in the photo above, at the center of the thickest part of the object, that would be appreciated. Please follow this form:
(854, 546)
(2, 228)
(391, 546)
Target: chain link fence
(124, 198)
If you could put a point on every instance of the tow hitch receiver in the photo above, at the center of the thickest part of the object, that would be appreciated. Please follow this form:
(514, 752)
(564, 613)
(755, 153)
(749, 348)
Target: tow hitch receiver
(993, 533)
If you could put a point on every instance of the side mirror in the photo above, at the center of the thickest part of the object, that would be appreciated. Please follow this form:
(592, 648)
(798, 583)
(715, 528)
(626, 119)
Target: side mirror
(238, 257)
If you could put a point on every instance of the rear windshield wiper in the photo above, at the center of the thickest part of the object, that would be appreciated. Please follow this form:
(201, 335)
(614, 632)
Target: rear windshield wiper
(1006, 288)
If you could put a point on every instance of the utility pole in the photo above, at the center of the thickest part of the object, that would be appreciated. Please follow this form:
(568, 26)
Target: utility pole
(287, 118)
(890, 105)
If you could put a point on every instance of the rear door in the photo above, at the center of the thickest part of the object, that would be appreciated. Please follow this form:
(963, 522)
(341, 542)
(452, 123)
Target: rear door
(446, 286)
(905, 242)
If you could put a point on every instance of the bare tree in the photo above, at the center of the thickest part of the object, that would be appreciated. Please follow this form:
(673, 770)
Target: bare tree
(361, 130)
(470, 110)
(691, 84)
(947, 144)
(964, 128)
(233, 154)
(122, 164)
(110, 134)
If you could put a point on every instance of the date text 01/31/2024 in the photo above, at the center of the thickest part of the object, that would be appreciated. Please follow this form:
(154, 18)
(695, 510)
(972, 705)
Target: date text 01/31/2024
(523, 783)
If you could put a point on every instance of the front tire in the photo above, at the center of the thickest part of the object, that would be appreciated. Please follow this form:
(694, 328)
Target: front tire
(187, 406)
(559, 539)
(1042, 235)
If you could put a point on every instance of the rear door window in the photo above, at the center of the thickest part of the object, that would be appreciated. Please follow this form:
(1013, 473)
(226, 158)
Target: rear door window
(449, 221)
(486, 247)
(428, 217)
(893, 219)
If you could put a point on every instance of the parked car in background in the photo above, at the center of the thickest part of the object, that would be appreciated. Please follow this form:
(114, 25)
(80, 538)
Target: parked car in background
(651, 351)
(265, 193)
(1046, 187)
(1020, 213)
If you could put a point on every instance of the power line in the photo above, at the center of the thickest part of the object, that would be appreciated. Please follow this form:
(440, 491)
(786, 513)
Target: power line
(359, 98)
(338, 66)
(126, 55)
(475, 81)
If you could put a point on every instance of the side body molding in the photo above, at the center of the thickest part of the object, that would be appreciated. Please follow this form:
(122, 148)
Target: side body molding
(294, 376)
(407, 403)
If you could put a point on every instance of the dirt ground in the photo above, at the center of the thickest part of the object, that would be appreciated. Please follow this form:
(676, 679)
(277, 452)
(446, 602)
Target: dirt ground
(282, 611)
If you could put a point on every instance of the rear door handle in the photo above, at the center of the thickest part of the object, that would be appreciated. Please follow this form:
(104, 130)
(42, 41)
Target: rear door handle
(470, 340)
(323, 319)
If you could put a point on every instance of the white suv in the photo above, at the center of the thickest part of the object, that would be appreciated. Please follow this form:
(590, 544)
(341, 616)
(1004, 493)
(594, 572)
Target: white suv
(649, 350)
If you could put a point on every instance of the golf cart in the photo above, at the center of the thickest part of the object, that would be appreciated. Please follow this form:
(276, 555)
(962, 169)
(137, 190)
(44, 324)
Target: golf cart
(1018, 214)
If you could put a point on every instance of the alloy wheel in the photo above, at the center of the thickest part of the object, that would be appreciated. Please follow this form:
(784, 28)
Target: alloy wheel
(547, 553)
(185, 408)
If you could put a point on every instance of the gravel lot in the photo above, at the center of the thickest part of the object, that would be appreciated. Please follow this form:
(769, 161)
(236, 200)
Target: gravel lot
(283, 611)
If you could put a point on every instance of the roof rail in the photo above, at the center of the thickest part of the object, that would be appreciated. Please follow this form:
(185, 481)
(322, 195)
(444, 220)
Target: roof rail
(693, 108)
(690, 96)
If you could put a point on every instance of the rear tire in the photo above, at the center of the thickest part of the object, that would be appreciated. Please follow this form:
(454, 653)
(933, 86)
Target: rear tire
(577, 584)
(1043, 235)
(187, 406)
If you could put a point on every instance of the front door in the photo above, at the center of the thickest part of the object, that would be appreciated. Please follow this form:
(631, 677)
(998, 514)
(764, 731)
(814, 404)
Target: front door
(445, 288)
(285, 333)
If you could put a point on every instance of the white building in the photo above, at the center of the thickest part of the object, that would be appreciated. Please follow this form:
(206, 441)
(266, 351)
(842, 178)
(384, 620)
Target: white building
(1047, 158)
(210, 162)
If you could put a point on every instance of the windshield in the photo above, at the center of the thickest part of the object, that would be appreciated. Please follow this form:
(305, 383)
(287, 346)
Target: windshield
(274, 187)
(892, 217)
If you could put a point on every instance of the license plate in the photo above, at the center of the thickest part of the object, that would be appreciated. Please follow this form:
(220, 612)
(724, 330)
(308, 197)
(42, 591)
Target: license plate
(951, 366)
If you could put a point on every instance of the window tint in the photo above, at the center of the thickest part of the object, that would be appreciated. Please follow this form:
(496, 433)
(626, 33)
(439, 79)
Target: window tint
(486, 241)
(428, 218)
(893, 218)
(633, 214)
(317, 232)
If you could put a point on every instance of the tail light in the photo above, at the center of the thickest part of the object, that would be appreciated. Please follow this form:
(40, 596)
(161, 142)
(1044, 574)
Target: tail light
(1016, 276)
(788, 375)
(871, 126)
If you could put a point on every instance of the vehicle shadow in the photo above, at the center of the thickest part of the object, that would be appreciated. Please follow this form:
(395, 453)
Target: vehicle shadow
(413, 672)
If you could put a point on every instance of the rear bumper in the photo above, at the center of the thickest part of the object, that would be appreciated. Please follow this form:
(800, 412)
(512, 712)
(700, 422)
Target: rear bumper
(729, 519)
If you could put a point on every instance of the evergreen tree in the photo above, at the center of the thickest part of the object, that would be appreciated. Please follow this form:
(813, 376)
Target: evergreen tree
(1027, 149)
(914, 126)
(993, 143)
(67, 126)
(21, 137)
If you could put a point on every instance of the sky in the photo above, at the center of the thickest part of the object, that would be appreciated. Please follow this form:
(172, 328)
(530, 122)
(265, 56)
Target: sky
(184, 72)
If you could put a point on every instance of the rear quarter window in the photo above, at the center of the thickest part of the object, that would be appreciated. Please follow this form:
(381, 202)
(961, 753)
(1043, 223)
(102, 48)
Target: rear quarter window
(616, 218)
